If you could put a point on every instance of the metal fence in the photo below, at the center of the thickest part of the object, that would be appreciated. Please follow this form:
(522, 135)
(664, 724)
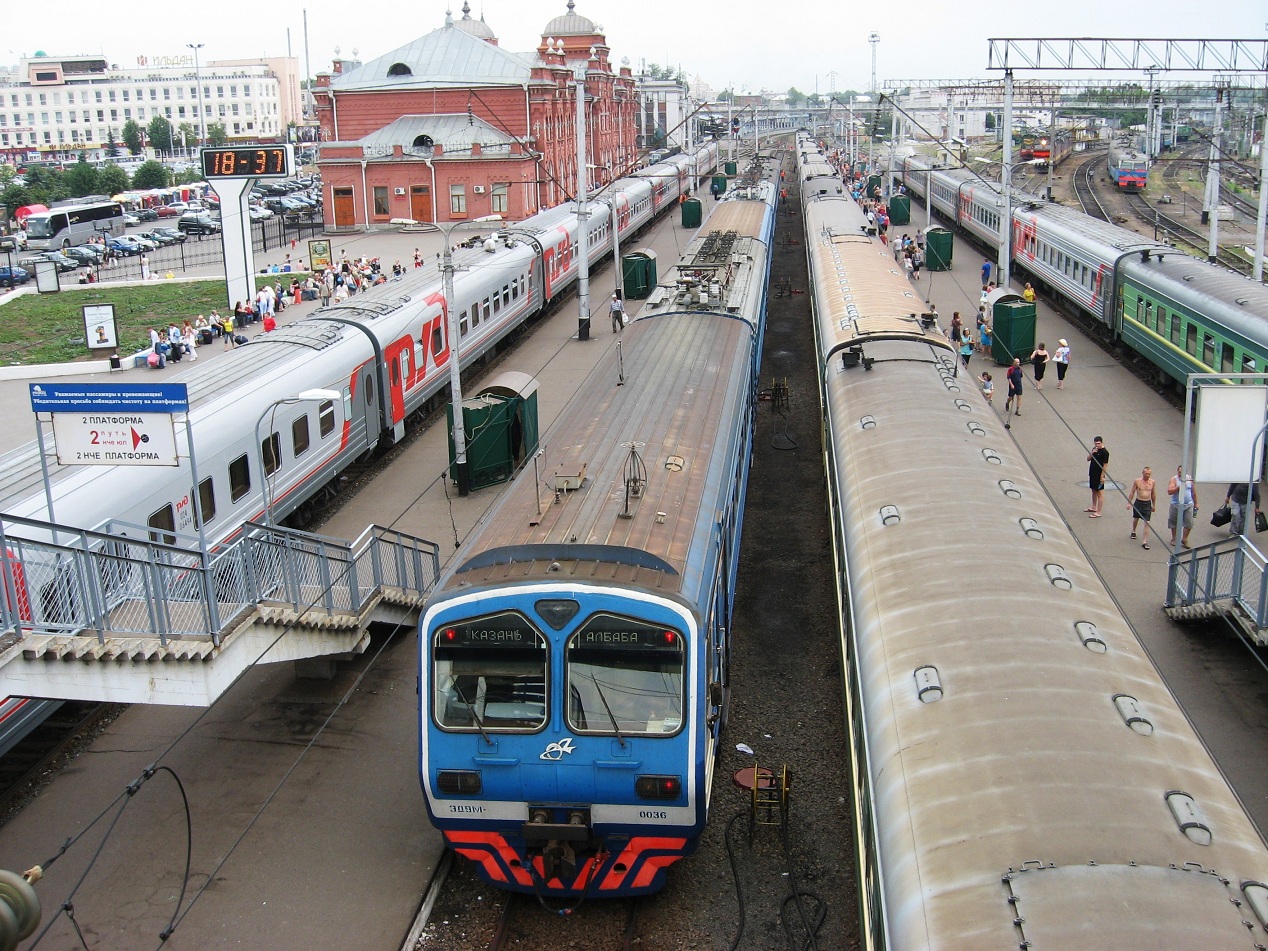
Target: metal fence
(1232, 570)
(55, 580)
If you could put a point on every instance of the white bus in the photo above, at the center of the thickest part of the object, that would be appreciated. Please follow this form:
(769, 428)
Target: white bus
(70, 225)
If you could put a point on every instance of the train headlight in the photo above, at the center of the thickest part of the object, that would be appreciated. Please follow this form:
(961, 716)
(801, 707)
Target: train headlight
(658, 787)
(459, 782)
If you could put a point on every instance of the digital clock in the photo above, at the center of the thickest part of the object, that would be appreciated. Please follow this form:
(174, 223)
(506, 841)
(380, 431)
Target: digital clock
(248, 161)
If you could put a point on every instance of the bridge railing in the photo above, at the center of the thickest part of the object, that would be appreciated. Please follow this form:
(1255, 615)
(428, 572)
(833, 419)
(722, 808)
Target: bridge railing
(59, 580)
(1232, 569)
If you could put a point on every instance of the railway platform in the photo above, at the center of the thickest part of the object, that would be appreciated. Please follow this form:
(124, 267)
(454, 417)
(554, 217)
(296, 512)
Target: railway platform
(331, 848)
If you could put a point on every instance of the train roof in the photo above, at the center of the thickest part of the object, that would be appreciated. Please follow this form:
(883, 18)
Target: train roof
(1231, 299)
(1087, 228)
(682, 378)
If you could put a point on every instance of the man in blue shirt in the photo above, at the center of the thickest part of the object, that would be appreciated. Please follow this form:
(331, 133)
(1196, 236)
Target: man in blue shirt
(986, 271)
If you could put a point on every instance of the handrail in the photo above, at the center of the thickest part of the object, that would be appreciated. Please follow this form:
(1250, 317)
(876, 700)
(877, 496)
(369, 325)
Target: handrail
(1232, 569)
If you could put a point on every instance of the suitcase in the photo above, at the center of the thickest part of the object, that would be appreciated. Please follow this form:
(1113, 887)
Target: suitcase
(205, 336)
(239, 339)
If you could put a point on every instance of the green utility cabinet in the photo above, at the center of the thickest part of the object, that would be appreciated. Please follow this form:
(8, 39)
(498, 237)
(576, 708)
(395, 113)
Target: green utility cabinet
(939, 244)
(730, 168)
(719, 184)
(500, 428)
(1012, 327)
(899, 210)
(638, 273)
(692, 214)
(873, 184)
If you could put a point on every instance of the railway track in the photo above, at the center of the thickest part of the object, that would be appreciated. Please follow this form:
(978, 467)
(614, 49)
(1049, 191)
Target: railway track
(32, 760)
(1085, 191)
(505, 933)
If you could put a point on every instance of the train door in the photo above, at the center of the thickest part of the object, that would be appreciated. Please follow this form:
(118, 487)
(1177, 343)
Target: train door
(365, 406)
(398, 373)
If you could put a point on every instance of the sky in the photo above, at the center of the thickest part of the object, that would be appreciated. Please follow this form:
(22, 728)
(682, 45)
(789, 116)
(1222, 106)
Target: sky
(745, 44)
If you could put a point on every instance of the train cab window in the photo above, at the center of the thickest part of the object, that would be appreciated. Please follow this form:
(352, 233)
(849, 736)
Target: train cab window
(165, 521)
(1226, 358)
(1208, 350)
(271, 453)
(300, 436)
(489, 675)
(1191, 340)
(326, 418)
(206, 502)
(625, 677)
(239, 478)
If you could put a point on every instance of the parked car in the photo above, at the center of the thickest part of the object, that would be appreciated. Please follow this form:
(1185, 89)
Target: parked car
(175, 234)
(84, 255)
(258, 213)
(158, 240)
(174, 210)
(125, 248)
(144, 244)
(145, 214)
(62, 261)
(13, 276)
(130, 220)
(198, 223)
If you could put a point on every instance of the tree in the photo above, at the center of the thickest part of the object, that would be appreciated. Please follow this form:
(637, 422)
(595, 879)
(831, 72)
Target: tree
(990, 122)
(151, 174)
(15, 196)
(112, 146)
(81, 179)
(187, 135)
(217, 135)
(160, 130)
(132, 136)
(112, 180)
(188, 176)
(795, 96)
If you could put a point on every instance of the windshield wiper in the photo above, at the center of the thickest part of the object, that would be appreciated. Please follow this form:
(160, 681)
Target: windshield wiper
(475, 716)
(616, 729)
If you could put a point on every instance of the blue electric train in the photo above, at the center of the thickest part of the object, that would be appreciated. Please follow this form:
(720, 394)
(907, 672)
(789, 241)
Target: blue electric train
(573, 664)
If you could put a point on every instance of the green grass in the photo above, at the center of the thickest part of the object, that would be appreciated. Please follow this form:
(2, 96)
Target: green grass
(49, 328)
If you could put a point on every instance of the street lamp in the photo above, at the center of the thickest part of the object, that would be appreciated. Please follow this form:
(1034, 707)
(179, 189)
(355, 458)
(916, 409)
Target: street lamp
(307, 396)
(202, 120)
(455, 370)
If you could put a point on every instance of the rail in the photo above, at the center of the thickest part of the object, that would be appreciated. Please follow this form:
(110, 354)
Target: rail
(67, 581)
(1229, 576)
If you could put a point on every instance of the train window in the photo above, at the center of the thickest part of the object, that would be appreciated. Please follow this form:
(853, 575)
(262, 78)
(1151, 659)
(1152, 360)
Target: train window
(394, 371)
(1175, 329)
(405, 369)
(438, 340)
(239, 478)
(1149, 313)
(625, 676)
(271, 453)
(206, 502)
(1248, 363)
(462, 327)
(487, 312)
(300, 436)
(326, 418)
(165, 520)
(489, 675)
(506, 294)
(1140, 309)
(1208, 350)
(1161, 325)
(497, 303)
(369, 389)
(1226, 358)
(1191, 339)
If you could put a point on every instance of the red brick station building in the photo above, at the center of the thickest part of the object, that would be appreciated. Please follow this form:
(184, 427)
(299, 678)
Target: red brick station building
(452, 127)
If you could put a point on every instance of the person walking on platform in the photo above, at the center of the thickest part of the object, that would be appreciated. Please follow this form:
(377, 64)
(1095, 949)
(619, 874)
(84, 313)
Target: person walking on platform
(1184, 502)
(1141, 500)
(1039, 363)
(1062, 359)
(986, 271)
(617, 309)
(1014, 386)
(1097, 466)
(1236, 500)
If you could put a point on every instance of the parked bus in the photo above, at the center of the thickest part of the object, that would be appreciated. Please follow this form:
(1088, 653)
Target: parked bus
(73, 224)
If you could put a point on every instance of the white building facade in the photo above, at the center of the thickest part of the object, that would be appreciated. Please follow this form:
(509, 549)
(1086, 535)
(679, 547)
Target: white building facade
(57, 107)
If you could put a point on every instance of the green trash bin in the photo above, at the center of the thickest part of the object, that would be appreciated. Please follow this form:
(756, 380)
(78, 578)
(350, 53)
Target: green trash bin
(692, 213)
(938, 247)
(1012, 327)
(638, 273)
(500, 425)
(719, 184)
(873, 183)
(899, 210)
(731, 168)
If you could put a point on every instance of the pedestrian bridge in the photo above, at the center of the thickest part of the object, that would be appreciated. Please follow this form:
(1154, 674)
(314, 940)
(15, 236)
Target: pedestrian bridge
(1228, 579)
(95, 615)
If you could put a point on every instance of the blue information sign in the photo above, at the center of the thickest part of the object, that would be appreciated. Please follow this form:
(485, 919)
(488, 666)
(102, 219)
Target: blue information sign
(109, 398)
